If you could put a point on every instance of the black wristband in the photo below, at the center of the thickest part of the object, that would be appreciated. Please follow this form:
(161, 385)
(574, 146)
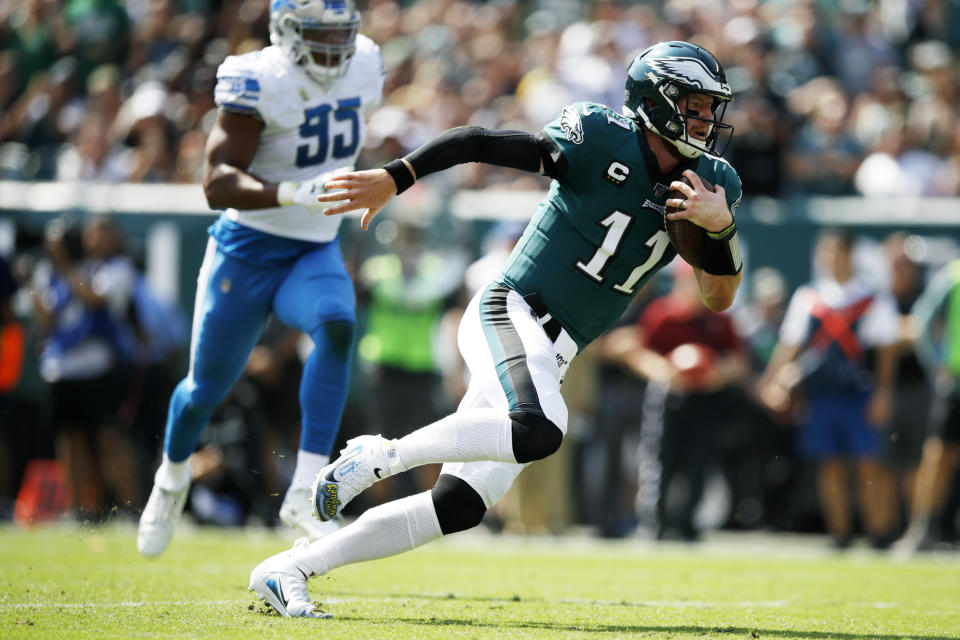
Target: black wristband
(401, 175)
(721, 254)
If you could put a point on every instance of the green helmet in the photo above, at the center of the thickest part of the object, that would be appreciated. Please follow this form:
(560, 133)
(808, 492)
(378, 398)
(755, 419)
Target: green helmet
(660, 76)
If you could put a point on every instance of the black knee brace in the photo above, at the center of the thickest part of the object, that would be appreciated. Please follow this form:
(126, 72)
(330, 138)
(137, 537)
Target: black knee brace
(339, 333)
(534, 436)
(458, 506)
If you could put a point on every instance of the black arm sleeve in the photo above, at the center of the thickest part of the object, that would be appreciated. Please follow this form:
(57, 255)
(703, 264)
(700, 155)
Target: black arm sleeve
(513, 149)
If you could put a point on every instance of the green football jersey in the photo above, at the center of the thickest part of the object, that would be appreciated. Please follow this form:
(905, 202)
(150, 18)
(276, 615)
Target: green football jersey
(599, 235)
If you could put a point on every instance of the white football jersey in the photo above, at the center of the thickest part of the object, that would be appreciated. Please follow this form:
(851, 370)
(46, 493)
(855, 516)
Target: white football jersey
(308, 130)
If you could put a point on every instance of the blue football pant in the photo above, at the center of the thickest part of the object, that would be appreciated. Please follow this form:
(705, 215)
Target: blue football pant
(313, 293)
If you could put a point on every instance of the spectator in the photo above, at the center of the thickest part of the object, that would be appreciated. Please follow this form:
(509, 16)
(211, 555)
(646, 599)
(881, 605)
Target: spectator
(32, 40)
(90, 156)
(941, 450)
(822, 158)
(860, 47)
(828, 327)
(99, 31)
(758, 450)
(12, 342)
(81, 302)
(903, 439)
(224, 492)
(407, 290)
(691, 356)
(494, 65)
(273, 370)
(38, 118)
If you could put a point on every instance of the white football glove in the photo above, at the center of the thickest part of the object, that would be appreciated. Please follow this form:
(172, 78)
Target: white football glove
(305, 193)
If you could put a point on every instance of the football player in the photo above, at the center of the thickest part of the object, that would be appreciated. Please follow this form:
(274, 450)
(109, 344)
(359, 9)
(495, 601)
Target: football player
(593, 242)
(290, 115)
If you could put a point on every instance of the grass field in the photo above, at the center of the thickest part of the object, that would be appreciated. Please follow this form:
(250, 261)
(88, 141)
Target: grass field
(90, 582)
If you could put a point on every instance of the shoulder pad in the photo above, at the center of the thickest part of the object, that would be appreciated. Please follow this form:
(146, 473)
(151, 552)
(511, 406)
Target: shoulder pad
(367, 73)
(240, 83)
(263, 83)
(572, 124)
(720, 172)
(580, 118)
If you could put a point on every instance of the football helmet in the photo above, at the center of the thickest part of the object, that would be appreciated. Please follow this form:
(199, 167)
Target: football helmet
(657, 80)
(319, 35)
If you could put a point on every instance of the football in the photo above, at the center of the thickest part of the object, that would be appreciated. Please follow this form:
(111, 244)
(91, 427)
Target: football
(687, 239)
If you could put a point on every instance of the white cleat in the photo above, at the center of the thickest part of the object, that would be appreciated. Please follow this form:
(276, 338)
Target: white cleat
(297, 512)
(284, 587)
(159, 519)
(362, 462)
(915, 538)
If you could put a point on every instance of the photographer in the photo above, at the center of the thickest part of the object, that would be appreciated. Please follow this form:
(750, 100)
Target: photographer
(82, 294)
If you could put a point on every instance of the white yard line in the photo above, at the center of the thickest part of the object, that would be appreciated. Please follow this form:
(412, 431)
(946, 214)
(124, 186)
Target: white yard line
(673, 604)
(115, 605)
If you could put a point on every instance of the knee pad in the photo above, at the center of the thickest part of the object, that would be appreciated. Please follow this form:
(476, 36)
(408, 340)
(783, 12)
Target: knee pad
(534, 436)
(338, 334)
(458, 506)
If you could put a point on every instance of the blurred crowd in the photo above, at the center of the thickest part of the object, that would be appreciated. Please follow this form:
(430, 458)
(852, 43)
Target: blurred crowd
(682, 420)
(832, 97)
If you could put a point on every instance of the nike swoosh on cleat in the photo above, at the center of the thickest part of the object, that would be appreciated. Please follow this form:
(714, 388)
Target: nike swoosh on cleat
(376, 472)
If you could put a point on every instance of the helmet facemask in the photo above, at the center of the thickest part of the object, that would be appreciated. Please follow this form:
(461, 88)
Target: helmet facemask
(676, 127)
(318, 35)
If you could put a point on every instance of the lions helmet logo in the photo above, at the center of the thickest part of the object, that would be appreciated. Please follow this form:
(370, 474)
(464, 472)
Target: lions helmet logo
(571, 125)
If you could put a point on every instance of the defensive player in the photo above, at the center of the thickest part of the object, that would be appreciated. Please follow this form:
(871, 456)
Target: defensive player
(592, 244)
(290, 115)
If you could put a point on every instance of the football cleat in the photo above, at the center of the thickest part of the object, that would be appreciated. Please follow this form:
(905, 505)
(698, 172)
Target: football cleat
(362, 462)
(159, 519)
(916, 538)
(297, 512)
(279, 582)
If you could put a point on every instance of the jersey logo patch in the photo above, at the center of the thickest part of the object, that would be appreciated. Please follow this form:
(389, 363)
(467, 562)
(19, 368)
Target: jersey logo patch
(233, 88)
(617, 173)
(571, 125)
(653, 205)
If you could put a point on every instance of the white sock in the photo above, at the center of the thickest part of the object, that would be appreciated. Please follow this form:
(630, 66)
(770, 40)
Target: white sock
(382, 531)
(308, 466)
(465, 436)
(172, 476)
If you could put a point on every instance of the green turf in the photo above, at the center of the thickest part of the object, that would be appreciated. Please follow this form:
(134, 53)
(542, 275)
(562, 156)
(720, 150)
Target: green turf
(89, 582)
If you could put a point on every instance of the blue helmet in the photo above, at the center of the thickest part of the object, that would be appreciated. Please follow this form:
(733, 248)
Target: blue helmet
(319, 35)
(660, 76)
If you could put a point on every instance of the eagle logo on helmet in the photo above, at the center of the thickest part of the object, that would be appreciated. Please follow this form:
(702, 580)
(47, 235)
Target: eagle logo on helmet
(690, 71)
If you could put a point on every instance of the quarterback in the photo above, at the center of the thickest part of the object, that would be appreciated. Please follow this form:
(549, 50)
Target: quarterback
(592, 243)
(290, 116)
